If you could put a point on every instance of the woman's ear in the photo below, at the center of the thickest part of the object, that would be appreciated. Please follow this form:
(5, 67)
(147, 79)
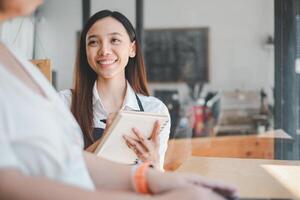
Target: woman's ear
(132, 52)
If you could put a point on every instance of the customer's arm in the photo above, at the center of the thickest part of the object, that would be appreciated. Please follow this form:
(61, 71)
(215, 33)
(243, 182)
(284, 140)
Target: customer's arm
(106, 174)
(110, 175)
(16, 186)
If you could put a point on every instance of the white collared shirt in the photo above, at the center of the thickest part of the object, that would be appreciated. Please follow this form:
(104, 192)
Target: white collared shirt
(38, 135)
(149, 103)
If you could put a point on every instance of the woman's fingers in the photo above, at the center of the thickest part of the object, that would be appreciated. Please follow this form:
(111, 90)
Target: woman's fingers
(136, 147)
(146, 149)
(155, 132)
(141, 139)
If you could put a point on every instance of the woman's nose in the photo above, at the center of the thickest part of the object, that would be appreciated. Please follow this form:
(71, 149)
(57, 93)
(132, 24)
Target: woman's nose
(105, 49)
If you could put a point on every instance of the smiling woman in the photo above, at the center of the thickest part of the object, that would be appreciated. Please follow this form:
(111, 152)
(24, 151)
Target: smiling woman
(109, 49)
(110, 76)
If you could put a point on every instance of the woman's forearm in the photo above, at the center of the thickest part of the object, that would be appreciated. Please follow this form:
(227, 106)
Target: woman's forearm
(15, 186)
(108, 175)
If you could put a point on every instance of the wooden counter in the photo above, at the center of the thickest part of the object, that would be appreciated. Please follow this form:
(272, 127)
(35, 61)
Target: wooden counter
(223, 146)
(247, 146)
(248, 175)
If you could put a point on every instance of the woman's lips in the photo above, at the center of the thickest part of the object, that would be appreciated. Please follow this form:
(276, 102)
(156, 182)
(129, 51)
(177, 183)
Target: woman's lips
(106, 62)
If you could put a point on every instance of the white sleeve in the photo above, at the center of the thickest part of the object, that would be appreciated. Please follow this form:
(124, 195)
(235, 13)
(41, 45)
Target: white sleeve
(66, 97)
(8, 158)
(164, 137)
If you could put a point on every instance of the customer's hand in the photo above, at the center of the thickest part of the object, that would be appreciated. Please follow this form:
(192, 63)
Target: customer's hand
(163, 182)
(190, 193)
(147, 149)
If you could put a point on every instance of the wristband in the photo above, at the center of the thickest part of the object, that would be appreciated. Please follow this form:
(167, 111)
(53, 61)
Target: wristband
(139, 178)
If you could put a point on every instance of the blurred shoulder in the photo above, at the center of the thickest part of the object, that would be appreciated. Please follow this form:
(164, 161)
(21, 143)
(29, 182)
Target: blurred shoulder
(66, 96)
(153, 104)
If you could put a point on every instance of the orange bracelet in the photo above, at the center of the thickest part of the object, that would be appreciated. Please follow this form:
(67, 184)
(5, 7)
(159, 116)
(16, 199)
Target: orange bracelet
(140, 179)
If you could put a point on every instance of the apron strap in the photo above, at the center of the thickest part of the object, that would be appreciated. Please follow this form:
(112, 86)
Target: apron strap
(139, 102)
(97, 133)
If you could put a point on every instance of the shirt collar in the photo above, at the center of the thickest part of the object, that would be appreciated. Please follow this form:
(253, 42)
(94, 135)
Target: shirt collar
(96, 97)
(130, 101)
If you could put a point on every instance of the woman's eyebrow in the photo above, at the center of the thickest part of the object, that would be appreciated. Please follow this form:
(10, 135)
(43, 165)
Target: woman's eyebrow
(92, 36)
(95, 35)
(115, 33)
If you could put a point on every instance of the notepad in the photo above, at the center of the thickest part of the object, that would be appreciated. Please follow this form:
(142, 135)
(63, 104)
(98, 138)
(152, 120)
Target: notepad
(113, 146)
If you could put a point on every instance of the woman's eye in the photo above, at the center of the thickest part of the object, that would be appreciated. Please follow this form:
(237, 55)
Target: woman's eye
(92, 43)
(115, 41)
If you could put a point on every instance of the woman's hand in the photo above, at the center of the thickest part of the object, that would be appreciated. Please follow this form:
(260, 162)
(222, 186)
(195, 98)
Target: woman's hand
(147, 149)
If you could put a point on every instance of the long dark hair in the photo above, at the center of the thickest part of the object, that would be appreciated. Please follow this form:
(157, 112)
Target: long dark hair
(85, 77)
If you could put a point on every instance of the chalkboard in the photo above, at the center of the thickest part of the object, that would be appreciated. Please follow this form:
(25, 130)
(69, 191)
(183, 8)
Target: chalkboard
(174, 55)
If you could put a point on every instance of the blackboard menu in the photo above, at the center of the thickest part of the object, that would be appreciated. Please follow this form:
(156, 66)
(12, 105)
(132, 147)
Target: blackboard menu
(174, 55)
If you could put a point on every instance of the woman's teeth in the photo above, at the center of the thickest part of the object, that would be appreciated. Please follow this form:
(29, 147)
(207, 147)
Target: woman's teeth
(106, 62)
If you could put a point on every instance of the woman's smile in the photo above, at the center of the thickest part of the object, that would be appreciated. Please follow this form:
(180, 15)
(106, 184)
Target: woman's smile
(106, 62)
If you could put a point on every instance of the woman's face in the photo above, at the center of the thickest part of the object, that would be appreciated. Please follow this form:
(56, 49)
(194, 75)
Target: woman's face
(108, 48)
(14, 8)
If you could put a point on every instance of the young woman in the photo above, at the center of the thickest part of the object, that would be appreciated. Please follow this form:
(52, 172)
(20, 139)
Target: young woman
(41, 144)
(110, 76)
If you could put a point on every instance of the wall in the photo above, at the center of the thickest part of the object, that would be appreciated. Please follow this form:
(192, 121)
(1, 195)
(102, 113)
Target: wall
(238, 29)
(59, 22)
(19, 34)
(126, 7)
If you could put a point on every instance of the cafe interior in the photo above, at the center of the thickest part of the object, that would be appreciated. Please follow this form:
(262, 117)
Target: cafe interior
(227, 70)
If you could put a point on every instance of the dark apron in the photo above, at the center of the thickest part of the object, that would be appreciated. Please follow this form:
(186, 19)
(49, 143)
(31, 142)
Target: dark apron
(98, 132)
